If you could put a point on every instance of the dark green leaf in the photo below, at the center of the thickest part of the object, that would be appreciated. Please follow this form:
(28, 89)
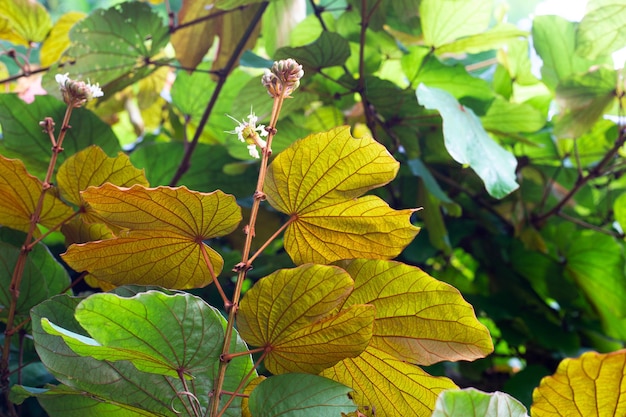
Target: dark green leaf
(24, 139)
(329, 50)
(300, 395)
(468, 143)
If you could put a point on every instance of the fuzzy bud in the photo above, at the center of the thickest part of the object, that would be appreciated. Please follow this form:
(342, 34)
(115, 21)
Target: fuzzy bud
(283, 78)
(77, 93)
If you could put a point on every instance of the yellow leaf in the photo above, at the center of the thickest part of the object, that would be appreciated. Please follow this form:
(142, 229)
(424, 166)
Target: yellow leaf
(92, 167)
(19, 193)
(418, 318)
(59, 38)
(388, 387)
(589, 386)
(232, 28)
(27, 21)
(301, 328)
(163, 244)
(317, 180)
(245, 409)
(193, 42)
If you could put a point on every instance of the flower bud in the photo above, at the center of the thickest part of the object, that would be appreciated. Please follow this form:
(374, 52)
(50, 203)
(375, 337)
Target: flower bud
(283, 78)
(77, 93)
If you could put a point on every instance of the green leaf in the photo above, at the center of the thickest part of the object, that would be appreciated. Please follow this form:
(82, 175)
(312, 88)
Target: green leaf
(388, 385)
(191, 93)
(468, 143)
(591, 385)
(301, 329)
(493, 38)
(473, 403)
(602, 31)
(507, 117)
(160, 161)
(111, 47)
(444, 21)
(23, 138)
(43, 275)
(421, 68)
(584, 98)
(317, 181)
(181, 329)
(619, 207)
(554, 38)
(300, 395)
(61, 401)
(418, 319)
(329, 50)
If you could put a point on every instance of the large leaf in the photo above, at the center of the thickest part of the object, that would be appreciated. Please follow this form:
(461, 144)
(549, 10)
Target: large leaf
(418, 319)
(507, 117)
(444, 21)
(473, 403)
(19, 194)
(328, 50)
(602, 29)
(300, 395)
(317, 181)
(493, 38)
(26, 21)
(191, 333)
(191, 43)
(592, 385)
(468, 143)
(163, 245)
(23, 138)
(385, 386)
(112, 46)
(554, 38)
(301, 329)
(59, 39)
(584, 99)
(42, 278)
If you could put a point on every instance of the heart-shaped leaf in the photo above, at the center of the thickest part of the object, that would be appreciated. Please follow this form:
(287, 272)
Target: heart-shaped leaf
(317, 181)
(468, 143)
(444, 21)
(591, 385)
(418, 318)
(164, 242)
(385, 386)
(329, 50)
(19, 194)
(182, 330)
(26, 21)
(300, 395)
(301, 328)
(601, 31)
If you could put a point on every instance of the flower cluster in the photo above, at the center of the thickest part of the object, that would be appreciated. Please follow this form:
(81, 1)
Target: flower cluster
(249, 132)
(283, 78)
(77, 93)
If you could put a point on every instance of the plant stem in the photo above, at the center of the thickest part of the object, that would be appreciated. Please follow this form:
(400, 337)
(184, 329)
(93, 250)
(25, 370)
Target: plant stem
(241, 272)
(18, 271)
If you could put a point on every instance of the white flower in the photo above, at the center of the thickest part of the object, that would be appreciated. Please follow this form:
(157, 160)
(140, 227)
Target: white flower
(62, 79)
(95, 89)
(249, 132)
(77, 93)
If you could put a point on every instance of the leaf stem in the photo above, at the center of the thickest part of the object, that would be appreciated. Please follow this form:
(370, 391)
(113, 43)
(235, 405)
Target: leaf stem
(18, 271)
(271, 239)
(244, 266)
(243, 383)
(207, 261)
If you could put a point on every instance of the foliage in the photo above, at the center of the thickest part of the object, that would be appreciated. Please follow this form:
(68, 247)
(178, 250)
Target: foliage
(410, 115)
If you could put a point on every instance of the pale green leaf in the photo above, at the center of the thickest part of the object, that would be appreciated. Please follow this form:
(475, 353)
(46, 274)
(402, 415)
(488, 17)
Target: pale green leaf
(619, 208)
(507, 117)
(468, 143)
(602, 30)
(444, 21)
(493, 38)
(473, 403)
(300, 395)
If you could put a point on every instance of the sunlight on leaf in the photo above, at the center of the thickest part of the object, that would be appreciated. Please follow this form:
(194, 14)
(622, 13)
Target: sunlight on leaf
(28, 21)
(317, 181)
(301, 328)
(504, 116)
(444, 21)
(59, 39)
(589, 386)
(385, 386)
(493, 38)
(191, 43)
(418, 318)
(473, 403)
(300, 395)
(164, 242)
(468, 143)
(602, 29)
(19, 193)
